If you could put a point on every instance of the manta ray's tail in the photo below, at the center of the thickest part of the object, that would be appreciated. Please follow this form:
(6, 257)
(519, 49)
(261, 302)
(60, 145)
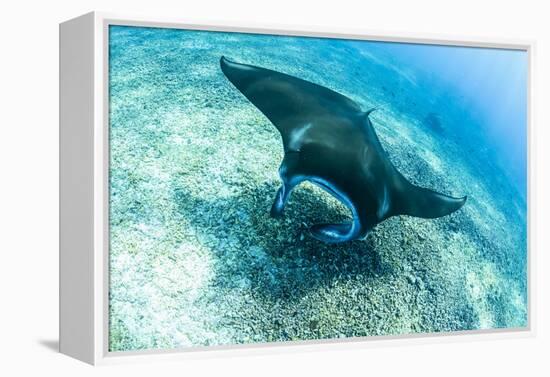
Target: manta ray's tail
(428, 204)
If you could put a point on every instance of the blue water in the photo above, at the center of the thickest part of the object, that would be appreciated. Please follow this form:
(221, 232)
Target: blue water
(488, 85)
(195, 259)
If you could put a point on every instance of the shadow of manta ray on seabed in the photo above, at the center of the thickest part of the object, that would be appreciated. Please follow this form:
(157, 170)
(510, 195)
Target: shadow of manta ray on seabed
(328, 140)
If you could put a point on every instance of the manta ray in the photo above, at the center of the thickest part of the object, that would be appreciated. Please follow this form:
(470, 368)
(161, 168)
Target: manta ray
(330, 141)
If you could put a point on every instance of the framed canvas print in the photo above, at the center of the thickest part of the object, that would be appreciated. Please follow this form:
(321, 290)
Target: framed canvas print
(225, 187)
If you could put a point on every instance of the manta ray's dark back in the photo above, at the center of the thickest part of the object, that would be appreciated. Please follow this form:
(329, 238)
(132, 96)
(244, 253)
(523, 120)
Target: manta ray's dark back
(330, 141)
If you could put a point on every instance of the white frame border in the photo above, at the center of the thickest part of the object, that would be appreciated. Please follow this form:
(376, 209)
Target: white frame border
(101, 190)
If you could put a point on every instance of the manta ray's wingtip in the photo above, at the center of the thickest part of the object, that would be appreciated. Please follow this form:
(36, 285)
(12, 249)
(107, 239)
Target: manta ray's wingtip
(453, 204)
(460, 203)
(226, 65)
(428, 204)
(223, 61)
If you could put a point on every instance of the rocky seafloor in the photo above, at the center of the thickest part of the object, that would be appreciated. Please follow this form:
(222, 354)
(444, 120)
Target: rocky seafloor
(196, 260)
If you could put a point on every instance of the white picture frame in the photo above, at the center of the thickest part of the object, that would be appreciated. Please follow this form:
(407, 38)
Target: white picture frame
(84, 190)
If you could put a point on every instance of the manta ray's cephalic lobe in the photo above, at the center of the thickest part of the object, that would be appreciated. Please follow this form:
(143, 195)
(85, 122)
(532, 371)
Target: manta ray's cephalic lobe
(330, 141)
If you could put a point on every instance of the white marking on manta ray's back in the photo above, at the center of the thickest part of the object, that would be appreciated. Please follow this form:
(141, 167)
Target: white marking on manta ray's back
(297, 135)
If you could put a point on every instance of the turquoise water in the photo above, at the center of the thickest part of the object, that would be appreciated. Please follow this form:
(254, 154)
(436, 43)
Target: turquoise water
(195, 259)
